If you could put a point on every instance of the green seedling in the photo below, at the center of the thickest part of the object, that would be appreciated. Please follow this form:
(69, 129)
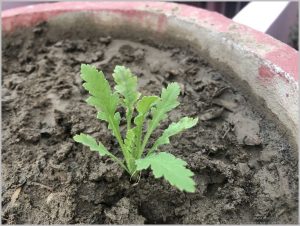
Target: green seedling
(137, 155)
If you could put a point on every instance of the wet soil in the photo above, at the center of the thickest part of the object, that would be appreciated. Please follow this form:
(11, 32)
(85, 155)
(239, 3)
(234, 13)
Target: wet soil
(244, 166)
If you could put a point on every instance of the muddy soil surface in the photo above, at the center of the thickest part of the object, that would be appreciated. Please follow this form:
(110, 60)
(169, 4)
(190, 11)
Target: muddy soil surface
(244, 167)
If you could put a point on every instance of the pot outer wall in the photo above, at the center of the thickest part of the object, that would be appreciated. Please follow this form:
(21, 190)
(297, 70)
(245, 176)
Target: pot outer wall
(268, 66)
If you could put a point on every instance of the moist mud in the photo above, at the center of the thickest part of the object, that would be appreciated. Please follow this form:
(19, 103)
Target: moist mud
(244, 165)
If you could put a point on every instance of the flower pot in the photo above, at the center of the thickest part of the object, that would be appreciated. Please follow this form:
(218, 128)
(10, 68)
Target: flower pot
(241, 83)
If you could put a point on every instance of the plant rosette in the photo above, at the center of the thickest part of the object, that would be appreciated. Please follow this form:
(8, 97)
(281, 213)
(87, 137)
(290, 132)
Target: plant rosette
(133, 146)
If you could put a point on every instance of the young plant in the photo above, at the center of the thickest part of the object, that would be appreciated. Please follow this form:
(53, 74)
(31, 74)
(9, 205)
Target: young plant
(136, 156)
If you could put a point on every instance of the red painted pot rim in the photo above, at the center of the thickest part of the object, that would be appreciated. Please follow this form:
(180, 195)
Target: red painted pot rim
(281, 54)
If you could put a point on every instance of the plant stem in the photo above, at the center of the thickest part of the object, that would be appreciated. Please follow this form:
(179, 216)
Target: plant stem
(138, 142)
(119, 139)
(119, 162)
(135, 176)
(146, 138)
(131, 166)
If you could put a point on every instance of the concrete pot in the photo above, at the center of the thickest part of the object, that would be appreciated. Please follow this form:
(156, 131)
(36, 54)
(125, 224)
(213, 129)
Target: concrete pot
(266, 67)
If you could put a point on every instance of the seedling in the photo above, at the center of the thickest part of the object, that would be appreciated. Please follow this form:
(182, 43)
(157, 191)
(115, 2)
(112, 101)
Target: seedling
(137, 156)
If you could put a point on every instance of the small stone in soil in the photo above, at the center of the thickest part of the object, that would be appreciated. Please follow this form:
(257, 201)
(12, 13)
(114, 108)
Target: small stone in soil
(154, 67)
(69, 46)
(252, 141)
(47, 132)
(211, 113)
(58, 44)
(220, 91)
(246, 129)
(244, 169)
(105, 40)
(139, 54)
(63, 152)
(29, 68)
(228, 105)
(171, 74)
(216, 77)
(98, 55)
(38, 31)
(253, 164)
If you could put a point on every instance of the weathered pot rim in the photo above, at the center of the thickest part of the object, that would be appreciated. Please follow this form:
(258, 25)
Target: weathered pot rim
(269, 66)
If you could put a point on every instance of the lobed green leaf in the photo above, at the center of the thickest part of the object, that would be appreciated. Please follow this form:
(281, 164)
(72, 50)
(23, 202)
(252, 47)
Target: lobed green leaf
(171, 168)
(103, 99)
(173, 129)
(89, 141)
(126, 85)
(102, 96)
(129, 140)
(129, 144)
(117, 119)
(145, 104)
(143, 107)
(167, 102)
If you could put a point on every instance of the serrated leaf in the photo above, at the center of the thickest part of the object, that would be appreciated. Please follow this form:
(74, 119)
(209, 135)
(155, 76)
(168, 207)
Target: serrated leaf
(129, 144)
(102, 98)
(171, 168)
(101, 95)
(126, 85)
(167, 102)
(143, 107)
(117, 119)
(129, 140)
(173, 129)
(89, 141)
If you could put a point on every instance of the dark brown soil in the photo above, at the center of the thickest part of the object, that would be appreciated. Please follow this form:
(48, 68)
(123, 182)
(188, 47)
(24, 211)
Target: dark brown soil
(244, 166)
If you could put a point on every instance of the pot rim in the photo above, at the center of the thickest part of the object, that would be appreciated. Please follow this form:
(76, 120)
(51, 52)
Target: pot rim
(188, 13)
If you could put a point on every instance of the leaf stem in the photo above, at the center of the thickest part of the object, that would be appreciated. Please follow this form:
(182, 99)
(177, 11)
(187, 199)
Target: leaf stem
(146, 138)
(119, 162)
(118, 136)
(141, 146)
